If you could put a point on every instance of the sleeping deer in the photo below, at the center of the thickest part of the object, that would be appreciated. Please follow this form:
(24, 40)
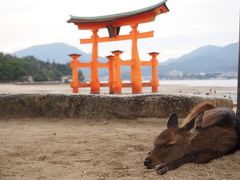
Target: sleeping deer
(205, 134)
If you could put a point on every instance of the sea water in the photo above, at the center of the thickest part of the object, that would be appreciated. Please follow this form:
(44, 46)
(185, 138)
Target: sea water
(202, 83)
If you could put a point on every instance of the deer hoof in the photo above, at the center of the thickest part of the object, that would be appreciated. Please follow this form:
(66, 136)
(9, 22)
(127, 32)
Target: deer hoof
(162, 171)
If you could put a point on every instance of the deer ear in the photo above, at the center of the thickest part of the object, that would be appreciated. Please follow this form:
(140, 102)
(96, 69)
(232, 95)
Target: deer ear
(198, 120)
(196, 123)
(172, 121)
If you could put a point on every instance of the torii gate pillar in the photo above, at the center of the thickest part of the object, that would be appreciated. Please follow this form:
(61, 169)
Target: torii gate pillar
(95, 85)
(136, 75)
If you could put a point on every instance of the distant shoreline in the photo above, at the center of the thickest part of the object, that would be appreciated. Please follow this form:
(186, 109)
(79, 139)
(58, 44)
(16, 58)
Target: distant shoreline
(189, 82)
(210, 88)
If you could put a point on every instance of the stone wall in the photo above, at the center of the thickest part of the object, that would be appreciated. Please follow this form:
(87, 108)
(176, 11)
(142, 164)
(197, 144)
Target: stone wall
(100, 106)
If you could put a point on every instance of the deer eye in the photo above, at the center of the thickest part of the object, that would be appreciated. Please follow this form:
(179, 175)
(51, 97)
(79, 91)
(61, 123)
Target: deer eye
(169, 145)
(159, 146)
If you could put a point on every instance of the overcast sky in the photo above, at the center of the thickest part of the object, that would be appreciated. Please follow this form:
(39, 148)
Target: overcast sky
(189, 24)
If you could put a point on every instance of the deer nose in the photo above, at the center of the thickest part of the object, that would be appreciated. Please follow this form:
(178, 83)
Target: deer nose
(147, 162)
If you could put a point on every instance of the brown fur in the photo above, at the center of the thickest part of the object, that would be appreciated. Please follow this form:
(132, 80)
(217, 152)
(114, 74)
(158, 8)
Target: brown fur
(207, 133)
(197, 109)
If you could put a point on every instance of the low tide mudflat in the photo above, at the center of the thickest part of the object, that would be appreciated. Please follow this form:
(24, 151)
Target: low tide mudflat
(211, 88)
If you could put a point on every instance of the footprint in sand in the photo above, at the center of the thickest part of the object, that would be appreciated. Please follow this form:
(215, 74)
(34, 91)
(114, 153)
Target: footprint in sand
(139, 147)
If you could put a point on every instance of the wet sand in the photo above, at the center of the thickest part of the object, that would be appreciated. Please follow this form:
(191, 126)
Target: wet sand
(220, 92)
(85, 149)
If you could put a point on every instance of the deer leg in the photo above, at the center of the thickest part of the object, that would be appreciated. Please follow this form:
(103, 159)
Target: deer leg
(163, 168)
(207, 156)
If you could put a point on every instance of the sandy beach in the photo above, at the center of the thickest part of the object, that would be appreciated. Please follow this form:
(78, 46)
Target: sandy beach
(81, 149)
(72, 149)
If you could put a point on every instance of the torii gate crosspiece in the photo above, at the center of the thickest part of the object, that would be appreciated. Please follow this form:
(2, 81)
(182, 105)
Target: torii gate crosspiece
(113, 23)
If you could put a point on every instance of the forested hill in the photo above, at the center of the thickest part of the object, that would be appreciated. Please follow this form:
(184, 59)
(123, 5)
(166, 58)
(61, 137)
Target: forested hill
(14, 69)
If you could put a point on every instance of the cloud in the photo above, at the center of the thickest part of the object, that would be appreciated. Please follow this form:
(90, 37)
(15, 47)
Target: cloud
(188, 25)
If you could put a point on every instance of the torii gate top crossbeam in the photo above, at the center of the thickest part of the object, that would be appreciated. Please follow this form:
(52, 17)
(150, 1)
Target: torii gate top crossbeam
(114, 22)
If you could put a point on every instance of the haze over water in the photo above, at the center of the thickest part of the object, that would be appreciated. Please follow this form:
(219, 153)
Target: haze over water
(202, 83)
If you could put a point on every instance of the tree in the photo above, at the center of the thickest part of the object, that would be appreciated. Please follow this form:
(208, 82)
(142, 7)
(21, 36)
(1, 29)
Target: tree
(17, 69)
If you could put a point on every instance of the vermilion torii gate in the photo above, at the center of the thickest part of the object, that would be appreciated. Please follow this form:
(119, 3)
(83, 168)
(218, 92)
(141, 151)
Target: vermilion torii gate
(113, 23)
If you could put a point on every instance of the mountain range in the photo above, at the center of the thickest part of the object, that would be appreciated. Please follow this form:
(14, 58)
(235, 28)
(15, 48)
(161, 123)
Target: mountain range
(57, 52)
(207, 59)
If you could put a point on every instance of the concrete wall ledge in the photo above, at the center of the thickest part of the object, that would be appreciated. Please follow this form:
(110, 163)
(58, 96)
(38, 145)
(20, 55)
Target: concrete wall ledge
(101, 106)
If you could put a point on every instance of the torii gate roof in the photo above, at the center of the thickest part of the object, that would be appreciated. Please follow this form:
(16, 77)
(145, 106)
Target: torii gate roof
(117, 20)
